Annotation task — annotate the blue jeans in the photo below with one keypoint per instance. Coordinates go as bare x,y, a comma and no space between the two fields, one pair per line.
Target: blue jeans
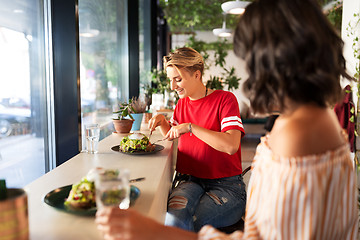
196,202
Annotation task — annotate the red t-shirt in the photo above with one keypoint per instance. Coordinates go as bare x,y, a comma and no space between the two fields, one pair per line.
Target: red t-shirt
219,112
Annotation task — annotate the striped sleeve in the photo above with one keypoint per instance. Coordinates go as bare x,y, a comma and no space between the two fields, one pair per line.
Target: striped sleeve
231,122
230,114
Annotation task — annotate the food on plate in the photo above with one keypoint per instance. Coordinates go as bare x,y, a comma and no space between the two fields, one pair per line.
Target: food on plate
136,142
82,195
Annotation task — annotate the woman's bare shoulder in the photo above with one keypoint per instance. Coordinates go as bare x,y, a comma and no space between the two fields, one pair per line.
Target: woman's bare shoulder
313,133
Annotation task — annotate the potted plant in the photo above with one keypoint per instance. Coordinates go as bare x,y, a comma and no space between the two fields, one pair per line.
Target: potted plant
123,120
137,109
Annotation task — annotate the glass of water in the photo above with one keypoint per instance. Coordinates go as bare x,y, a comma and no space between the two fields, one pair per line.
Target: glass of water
112,188
92,137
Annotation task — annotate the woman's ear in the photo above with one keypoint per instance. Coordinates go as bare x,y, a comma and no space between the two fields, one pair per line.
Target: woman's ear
197,74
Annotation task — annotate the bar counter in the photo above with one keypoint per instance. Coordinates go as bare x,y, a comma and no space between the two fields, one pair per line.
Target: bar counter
46,222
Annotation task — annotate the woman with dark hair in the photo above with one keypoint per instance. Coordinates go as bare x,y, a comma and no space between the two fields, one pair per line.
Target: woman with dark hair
303,182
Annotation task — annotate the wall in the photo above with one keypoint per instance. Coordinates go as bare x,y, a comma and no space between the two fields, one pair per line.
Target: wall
349,8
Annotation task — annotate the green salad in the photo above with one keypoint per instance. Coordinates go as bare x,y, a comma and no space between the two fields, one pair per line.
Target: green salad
135,143
82,195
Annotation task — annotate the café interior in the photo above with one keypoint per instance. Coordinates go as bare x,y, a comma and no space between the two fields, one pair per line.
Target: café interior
68,63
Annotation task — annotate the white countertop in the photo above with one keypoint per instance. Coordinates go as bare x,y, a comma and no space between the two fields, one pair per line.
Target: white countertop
46,222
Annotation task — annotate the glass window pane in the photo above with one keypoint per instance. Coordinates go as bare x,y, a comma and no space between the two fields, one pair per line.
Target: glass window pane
22,91
103,61
144,46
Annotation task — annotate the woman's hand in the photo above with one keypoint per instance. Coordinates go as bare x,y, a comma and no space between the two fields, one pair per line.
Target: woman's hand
159,120
156,121
177,131
115,223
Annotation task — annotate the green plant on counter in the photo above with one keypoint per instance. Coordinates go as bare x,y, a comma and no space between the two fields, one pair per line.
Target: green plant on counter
137,105
124,111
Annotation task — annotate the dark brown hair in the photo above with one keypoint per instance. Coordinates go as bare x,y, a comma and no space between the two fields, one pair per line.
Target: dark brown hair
291,51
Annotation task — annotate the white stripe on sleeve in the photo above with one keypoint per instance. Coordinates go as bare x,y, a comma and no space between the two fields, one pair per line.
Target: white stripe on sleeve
231,121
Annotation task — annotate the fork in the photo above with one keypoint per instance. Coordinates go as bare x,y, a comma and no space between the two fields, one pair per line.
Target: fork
150,135
159,140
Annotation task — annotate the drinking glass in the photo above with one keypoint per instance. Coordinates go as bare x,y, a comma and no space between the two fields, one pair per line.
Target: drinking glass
112,188
92,137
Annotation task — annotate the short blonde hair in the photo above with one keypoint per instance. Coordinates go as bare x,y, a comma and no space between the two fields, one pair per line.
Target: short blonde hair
185,58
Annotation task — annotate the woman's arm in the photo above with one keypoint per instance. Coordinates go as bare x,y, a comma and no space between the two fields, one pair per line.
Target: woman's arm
115,223
227,142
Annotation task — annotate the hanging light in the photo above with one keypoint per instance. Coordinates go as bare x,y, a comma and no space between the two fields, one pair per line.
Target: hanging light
234,7
223,32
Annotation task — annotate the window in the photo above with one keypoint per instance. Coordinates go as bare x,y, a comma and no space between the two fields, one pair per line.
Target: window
39,87
24,88
103,60
145,45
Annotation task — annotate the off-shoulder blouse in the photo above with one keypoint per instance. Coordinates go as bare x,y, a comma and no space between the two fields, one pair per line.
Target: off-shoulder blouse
308,197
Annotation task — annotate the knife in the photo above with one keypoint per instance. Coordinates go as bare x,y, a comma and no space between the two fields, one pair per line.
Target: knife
136,179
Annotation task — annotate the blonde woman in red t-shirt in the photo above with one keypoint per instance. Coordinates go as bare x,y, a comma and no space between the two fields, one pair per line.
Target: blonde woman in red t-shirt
208,126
